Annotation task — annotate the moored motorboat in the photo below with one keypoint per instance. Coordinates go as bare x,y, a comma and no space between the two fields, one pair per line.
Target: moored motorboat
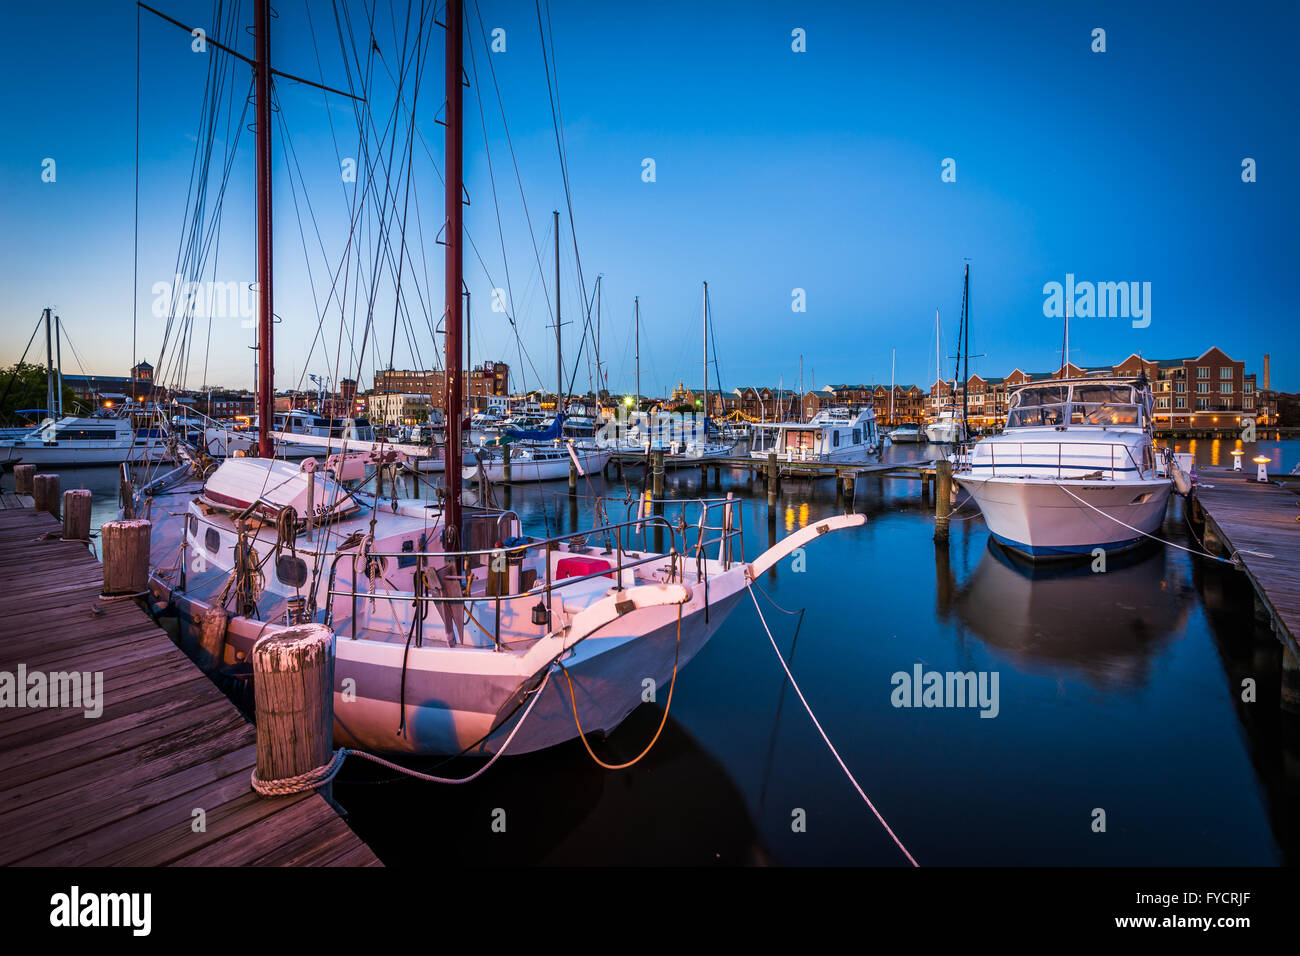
1074,470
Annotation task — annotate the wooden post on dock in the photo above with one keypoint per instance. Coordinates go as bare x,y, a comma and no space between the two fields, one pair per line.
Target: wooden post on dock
23,479
293,691
773,478
45,493
505,463
848,485
126,555
76,515
658,474
573,477
942,496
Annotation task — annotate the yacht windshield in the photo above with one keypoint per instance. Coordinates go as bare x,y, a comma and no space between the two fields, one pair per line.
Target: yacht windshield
1036,416
1043,395
1103,414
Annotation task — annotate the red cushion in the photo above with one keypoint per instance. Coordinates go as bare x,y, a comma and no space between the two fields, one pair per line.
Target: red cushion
577,567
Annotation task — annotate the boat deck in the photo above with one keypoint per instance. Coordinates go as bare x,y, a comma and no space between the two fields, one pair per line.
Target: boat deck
1263,519
126,788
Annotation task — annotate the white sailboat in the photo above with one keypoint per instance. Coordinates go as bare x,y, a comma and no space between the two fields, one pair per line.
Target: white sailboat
456,633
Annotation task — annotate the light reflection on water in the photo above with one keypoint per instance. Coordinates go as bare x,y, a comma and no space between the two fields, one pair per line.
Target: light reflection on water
1118,691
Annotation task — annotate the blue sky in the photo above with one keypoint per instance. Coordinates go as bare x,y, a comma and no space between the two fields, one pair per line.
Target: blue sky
775,170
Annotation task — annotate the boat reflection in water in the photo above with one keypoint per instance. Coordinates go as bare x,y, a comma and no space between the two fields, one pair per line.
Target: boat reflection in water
1104,627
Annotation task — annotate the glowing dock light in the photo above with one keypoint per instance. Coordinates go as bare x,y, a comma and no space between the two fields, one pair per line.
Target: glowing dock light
1236,459
1262,474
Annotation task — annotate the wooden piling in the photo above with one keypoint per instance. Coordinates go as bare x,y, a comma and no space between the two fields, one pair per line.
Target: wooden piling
942,496
76,515
45,493
293,691
658,474
505,463
573,477
773,478
212,638
23,475
126,555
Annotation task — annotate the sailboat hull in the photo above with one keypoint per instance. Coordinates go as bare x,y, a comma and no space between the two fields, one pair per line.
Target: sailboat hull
463,700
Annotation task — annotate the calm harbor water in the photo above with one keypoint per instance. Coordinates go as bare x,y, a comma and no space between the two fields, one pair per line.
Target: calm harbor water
1117,691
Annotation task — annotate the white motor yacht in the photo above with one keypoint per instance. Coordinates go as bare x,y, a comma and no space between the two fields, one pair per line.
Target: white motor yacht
1074,470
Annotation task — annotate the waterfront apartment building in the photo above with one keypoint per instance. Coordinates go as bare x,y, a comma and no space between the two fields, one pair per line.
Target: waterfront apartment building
487,378
399,408
1210,391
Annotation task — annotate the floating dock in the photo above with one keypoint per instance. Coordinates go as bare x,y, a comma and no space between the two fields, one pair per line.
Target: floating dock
161,777
1260,523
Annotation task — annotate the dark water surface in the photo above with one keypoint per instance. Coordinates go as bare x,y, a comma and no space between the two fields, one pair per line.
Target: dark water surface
1117,691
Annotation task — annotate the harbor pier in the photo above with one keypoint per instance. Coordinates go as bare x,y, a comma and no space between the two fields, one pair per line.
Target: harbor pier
153,766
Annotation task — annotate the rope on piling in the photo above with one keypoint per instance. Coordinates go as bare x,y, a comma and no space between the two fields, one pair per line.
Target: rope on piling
320,776
835,753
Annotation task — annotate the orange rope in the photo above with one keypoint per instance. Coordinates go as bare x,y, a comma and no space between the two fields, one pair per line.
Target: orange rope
667,707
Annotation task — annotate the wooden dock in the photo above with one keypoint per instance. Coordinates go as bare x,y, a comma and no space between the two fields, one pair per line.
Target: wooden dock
161,777
923,470
1260,522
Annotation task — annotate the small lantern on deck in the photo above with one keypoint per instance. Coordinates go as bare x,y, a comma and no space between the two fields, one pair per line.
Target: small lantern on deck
1262,474
1236,459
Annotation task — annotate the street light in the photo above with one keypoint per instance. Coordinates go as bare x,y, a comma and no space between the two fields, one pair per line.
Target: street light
1262,474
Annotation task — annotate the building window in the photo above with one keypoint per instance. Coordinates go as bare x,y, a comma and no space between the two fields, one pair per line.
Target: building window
1248,387
1202,386
1203,371
1202,403
1182,403
1162,402
1248,403
1181,387
1225,388
1225,371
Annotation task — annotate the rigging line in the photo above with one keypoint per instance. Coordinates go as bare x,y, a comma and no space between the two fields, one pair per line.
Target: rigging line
410,154
835,753
196,248
505,125
487,148
135,267
557,121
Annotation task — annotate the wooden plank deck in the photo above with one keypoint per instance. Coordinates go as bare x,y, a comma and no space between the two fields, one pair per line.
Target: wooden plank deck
121,789
1243,515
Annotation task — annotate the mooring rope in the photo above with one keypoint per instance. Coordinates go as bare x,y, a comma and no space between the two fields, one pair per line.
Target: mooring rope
323,774
816,723
1230,559
662,723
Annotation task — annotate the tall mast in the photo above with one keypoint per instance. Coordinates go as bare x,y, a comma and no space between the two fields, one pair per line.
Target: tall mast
636,313
453,279
265,314
893,354
49,366
938,372
965,346
704,299
559,354
58,362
